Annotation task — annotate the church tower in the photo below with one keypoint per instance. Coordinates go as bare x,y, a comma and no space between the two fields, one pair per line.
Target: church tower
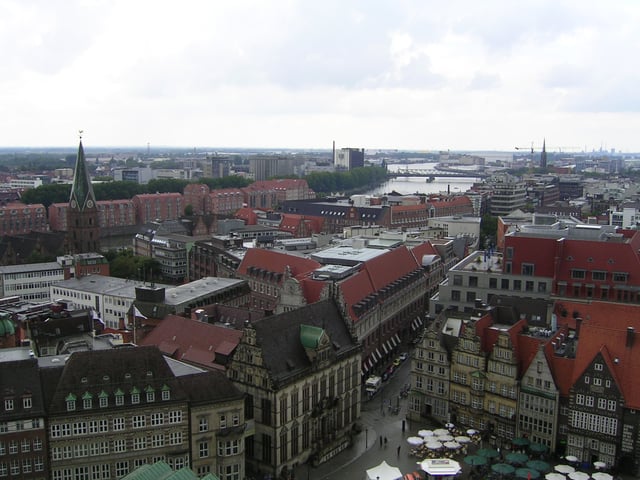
83,230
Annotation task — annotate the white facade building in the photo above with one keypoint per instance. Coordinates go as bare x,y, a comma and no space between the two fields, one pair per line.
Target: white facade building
31,282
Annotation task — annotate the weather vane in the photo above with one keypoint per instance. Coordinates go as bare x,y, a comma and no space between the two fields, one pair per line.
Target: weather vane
80,133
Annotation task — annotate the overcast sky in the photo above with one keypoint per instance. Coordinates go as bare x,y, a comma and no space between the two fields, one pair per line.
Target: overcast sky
406,74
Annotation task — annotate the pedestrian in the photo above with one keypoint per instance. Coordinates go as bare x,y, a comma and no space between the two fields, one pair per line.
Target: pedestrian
398,450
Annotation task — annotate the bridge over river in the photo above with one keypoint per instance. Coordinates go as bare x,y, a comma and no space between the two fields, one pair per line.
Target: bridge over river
436,172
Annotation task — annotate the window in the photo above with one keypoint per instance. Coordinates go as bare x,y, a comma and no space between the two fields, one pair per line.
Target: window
455,295
578,274
157,419
517,285
135,396
528,286
71,402
203,424
611,405
230,447
103,399
27,402
597,382
620,276
528,269
598,367
139,443
119,445
203,449
602,403
166,393
119,394
504,284
118,424
175,416
122,468
8,404
157,440
175,438
457,280
473,281
87,401
138,421
493,283
598,275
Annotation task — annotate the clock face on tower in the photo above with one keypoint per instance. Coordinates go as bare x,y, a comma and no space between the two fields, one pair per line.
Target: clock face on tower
73,204
90,203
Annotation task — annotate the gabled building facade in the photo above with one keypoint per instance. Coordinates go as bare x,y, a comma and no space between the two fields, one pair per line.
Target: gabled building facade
301,373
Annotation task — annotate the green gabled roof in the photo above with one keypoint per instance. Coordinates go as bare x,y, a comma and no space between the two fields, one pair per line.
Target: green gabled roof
310,336
209,476
160,471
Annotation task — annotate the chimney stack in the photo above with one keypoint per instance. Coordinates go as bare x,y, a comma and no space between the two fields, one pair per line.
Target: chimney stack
631,333
578,325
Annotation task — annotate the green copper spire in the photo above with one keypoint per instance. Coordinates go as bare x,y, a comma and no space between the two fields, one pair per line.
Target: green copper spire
82,196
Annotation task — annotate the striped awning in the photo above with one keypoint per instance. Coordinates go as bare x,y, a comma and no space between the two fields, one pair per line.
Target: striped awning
396,340
416,324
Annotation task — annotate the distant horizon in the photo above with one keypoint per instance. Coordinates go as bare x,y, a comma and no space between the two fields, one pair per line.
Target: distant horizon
211,149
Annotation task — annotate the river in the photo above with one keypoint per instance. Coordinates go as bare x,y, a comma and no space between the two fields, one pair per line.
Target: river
410,185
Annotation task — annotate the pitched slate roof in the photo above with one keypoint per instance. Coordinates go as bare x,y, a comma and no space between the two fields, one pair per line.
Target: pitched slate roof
193,341
112,370
209,387
20,378
279,337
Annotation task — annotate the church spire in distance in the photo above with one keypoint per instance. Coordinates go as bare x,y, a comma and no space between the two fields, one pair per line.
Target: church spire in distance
83,230
82,196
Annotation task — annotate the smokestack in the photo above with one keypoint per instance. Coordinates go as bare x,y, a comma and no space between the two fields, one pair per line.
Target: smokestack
578,325
631,333
334,152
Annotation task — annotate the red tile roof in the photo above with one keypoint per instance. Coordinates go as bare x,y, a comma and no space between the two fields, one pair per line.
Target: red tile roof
604,330
274,261
192,341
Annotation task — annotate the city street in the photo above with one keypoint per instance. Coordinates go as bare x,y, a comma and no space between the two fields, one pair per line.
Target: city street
378,423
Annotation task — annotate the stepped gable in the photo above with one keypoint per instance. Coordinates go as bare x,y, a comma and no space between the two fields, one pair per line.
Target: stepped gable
279,337
111,370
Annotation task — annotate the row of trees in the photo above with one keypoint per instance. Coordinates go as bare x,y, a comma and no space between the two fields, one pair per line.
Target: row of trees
59,193
329,182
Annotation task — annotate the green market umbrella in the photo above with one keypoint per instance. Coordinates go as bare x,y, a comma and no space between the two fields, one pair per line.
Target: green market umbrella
475,460
528,473
539,465
488,452
520,442
537,448
503,468
518,458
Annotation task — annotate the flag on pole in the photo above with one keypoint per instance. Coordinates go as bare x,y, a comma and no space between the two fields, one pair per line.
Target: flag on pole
137,313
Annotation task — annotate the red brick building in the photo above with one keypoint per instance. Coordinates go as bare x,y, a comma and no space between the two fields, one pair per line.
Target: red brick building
18,218
151,207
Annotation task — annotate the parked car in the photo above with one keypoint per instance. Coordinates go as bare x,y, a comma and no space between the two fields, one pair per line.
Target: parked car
397,361
403,356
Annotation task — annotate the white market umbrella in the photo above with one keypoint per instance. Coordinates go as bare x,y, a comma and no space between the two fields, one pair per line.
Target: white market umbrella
564,469
601,476
425,433
415,441
579,476
434,445
450,426
472,432
555,476
462,439
452,445
571,458
600,465
445,438
441,431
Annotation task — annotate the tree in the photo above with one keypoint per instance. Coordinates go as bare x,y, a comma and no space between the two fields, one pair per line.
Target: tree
489,229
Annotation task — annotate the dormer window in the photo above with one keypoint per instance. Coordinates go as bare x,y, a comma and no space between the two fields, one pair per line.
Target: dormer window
103,398
151,394
8,404
87,401
27,402
135,395
166,393
119,394
71,402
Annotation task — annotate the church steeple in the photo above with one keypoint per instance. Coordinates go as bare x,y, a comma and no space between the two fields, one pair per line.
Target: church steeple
82,195
543,155
82,215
